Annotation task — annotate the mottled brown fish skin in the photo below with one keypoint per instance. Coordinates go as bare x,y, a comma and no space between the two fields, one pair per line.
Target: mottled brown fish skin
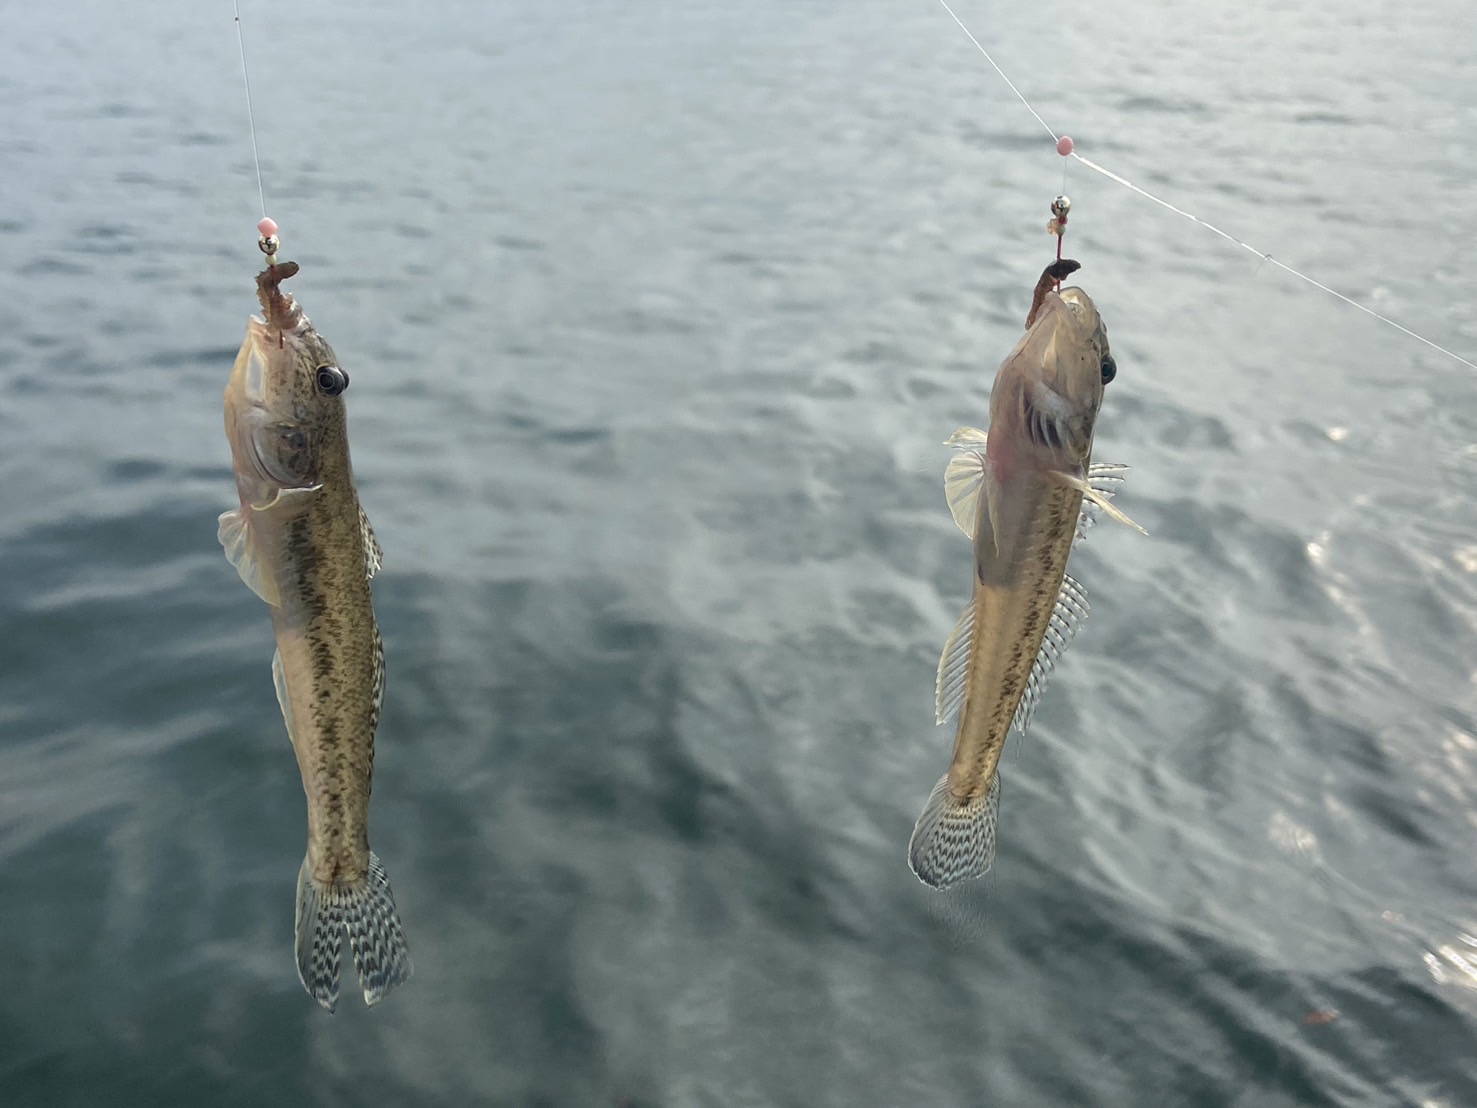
1023,540
1032,476
301,541
329,643
333,661
1012,610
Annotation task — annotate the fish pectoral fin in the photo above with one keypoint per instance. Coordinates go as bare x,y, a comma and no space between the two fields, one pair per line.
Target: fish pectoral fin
1107,478
373,555
967,438
234,533
1095,495
1066,617
954,840
964,478
948,695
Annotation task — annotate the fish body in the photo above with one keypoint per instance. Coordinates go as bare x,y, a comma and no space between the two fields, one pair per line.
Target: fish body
302,543
1018,493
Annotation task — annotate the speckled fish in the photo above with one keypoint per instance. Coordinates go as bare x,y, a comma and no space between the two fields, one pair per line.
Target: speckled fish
1018,493
303,544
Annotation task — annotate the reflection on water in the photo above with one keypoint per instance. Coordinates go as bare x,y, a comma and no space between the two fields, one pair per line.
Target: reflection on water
1455,963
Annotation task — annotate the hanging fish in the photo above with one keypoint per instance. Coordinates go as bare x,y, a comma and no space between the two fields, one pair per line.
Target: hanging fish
303,544
1018,494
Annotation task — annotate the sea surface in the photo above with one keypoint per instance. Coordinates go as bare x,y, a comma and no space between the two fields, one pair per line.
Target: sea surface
657,316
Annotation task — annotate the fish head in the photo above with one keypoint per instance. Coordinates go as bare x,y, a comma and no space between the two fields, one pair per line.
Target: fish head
1049,389
284,402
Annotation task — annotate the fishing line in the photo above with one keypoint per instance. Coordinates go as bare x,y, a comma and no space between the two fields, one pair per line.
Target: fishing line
1068,152
1000,71
250,115
268,242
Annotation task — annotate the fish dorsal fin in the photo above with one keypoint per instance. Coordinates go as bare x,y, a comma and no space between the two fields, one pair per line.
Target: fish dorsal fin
965,476
1107,478
373,555
377,690
948,691
1066,617
234,533
1095,495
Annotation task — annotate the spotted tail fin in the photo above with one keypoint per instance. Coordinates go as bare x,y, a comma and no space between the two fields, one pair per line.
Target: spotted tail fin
366,913
954,840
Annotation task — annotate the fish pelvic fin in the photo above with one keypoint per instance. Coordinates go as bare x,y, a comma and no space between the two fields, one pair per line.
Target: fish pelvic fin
366,913
1096,496
1107,479
954,840
234,532
953,673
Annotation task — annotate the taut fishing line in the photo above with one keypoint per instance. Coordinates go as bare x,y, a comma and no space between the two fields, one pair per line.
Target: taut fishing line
268,227
1064,146
250,114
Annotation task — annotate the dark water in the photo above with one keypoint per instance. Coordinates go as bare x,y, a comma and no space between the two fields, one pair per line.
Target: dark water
656,314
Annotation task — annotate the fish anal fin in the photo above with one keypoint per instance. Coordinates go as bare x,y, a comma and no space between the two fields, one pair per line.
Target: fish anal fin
284,698
953,672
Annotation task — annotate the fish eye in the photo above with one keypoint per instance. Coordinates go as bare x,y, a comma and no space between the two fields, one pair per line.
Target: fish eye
1110,369
332,380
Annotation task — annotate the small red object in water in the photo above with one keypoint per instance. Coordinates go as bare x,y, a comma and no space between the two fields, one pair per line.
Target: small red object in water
1064,145
1320,1016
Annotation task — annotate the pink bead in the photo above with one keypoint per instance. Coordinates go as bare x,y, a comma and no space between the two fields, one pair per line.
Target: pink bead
268,227
1064,145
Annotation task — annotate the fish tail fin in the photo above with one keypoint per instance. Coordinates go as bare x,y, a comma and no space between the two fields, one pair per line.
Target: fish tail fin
366,913
954,839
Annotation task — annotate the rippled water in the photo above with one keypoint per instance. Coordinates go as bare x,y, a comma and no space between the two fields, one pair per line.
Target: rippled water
656,315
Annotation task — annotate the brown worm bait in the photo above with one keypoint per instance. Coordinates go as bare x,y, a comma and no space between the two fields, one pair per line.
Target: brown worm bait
1054,274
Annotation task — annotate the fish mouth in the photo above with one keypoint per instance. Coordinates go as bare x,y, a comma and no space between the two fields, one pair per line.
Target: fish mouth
1085,320
264,363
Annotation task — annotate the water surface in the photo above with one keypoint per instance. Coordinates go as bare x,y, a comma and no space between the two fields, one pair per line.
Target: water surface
656,316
